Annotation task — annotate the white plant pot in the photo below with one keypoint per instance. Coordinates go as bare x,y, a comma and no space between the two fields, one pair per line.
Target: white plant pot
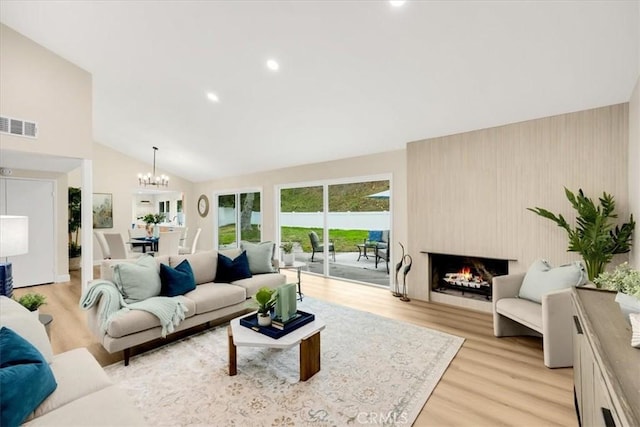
288,258
264,320
36,313
628,304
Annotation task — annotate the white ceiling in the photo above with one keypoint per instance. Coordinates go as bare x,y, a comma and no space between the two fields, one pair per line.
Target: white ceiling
356,77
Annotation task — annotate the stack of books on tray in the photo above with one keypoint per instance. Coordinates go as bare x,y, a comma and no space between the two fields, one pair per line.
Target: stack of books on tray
277,328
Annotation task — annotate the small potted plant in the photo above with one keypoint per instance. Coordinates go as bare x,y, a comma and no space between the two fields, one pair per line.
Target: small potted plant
288,256
265,299
152,221
626,281
32,301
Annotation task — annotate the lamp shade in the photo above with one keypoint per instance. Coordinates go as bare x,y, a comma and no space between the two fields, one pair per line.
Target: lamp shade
14,235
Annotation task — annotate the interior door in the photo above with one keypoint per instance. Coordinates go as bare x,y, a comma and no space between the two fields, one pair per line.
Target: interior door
34,199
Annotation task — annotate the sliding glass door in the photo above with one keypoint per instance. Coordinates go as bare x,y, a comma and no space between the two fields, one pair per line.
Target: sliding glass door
239,218
340,229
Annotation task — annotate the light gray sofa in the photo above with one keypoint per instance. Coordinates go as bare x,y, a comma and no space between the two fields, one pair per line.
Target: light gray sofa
209,302
551,319
84,394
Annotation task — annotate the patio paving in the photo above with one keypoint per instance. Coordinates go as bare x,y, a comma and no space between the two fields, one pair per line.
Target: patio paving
347,266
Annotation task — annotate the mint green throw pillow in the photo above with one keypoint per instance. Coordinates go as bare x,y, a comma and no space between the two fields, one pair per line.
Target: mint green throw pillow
542,278
259,256
138,281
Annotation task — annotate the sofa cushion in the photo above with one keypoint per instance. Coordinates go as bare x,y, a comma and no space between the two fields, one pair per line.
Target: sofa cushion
272,280
138,320
204,265
110,406
232,269
177,281
542,278
523,311
78,374
26,324
212,296
25,378
260,256
138,281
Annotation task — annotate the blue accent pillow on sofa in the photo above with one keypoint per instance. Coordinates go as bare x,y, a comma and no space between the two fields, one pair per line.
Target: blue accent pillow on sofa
177,281
25,378
229,270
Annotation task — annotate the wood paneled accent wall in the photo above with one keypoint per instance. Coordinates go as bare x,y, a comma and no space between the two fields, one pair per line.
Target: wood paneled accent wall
468,193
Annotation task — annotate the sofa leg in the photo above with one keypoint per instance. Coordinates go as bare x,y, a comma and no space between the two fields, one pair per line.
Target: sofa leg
127,354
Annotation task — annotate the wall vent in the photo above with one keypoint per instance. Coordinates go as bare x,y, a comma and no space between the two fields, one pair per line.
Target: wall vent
18,127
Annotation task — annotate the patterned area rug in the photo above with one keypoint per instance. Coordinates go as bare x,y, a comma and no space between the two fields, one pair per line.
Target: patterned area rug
373,371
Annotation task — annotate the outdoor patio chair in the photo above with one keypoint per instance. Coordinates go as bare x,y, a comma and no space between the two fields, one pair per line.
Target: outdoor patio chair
316,246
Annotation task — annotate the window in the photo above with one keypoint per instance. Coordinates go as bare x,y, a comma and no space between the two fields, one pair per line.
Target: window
239,218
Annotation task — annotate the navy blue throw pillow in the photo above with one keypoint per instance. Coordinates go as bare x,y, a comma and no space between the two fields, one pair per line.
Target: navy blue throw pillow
229,270
375,235
177,281
25,378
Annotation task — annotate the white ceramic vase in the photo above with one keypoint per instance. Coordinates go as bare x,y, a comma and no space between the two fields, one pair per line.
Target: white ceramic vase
288,258
628,304
264,320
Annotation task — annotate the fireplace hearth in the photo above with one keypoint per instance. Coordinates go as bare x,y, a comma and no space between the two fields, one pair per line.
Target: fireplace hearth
465,276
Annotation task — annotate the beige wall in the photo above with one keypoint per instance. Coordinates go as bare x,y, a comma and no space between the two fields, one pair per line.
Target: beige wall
634,169
468,193
38,85
116,173
41,86
392,162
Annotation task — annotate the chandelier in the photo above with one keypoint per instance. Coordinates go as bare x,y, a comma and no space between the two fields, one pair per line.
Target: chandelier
151,178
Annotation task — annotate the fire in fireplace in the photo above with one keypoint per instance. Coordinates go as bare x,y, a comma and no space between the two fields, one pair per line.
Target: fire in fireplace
464,275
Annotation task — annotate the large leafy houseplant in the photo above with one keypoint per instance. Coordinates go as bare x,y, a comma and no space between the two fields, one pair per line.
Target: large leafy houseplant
595,235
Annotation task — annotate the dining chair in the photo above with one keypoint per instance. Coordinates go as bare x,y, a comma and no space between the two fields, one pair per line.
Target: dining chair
102,242
117,247
168,243
136,233
183,236
185,250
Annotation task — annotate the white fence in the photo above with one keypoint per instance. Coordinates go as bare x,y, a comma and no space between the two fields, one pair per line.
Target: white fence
336,220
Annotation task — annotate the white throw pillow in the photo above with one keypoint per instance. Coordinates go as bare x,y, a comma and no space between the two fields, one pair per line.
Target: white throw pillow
260,256
542,278
26,324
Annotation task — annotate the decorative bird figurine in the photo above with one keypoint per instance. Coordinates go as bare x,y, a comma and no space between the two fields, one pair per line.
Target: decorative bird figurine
407,268
396,285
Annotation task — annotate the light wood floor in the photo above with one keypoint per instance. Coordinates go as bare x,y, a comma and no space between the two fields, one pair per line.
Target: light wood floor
491,382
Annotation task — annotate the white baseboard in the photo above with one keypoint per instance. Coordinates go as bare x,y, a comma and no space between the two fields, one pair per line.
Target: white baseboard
62,278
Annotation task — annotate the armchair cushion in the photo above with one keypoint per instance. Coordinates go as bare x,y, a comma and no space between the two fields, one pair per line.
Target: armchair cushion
542,278
375,236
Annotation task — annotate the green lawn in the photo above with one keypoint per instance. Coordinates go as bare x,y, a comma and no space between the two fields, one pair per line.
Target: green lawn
343,240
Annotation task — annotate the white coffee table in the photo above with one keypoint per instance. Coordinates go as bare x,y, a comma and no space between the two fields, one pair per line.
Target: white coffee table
308,336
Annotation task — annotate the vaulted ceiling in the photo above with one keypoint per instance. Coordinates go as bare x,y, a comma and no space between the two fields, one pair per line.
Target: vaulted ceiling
355,77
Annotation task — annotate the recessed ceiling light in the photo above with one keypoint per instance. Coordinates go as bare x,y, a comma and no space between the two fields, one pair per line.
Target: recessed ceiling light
273,65
213,97
397,3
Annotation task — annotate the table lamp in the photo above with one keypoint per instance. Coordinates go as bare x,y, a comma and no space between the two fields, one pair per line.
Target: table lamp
14,240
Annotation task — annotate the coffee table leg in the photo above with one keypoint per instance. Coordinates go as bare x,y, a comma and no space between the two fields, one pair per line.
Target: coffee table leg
309,356
233,366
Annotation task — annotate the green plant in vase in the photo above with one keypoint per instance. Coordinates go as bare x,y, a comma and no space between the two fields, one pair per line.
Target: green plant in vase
626,281
264,300
595,236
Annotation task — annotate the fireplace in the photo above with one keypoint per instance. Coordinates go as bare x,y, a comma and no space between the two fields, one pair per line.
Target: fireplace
465,276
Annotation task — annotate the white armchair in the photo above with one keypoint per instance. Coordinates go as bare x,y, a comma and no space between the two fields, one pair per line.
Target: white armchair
551,320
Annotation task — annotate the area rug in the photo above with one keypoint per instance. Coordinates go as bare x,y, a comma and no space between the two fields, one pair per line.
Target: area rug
373,371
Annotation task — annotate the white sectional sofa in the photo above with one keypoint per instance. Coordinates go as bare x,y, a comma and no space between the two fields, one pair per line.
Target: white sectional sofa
84,394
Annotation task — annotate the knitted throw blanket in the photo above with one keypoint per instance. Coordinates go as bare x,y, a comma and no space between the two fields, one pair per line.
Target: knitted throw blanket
169,310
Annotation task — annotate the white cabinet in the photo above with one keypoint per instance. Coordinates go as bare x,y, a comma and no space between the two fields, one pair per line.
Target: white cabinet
606,368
